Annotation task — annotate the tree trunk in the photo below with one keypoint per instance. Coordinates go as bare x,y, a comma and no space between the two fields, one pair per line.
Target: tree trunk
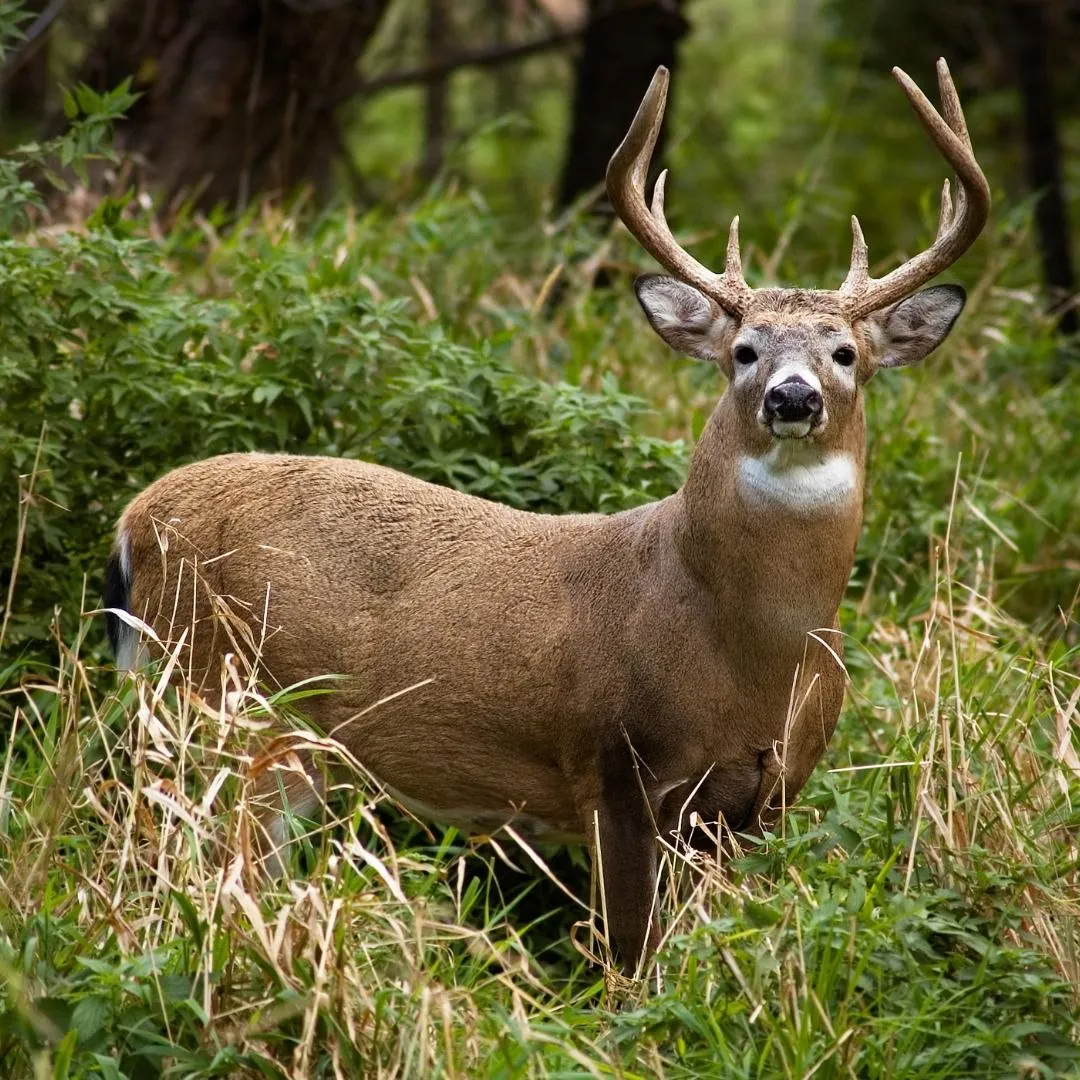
25,80
437,91
624,43
239,96
1034,79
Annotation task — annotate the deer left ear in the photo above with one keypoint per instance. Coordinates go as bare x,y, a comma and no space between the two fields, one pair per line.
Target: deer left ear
913,328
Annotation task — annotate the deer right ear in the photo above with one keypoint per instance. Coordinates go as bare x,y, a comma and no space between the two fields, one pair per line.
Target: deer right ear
685,318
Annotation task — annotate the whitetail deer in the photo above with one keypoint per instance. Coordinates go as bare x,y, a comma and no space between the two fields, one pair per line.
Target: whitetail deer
596,677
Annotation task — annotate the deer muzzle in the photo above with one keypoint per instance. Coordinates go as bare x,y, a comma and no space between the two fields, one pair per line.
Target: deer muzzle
792,408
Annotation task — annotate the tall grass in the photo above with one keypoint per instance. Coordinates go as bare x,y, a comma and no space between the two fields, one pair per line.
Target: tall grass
917,915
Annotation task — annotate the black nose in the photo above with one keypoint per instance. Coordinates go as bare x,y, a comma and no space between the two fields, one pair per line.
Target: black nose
793,400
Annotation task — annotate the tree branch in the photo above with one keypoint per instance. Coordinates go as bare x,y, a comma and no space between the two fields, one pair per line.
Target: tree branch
490,56
30,43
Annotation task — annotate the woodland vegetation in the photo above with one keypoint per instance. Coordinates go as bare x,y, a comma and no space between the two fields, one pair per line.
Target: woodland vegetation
355,229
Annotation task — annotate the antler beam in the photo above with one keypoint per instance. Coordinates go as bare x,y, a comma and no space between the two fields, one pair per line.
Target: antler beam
958,225
626,174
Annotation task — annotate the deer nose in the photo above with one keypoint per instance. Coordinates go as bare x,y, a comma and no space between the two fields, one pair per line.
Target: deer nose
793,400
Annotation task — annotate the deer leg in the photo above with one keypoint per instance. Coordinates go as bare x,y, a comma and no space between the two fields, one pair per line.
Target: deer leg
622,837
278,794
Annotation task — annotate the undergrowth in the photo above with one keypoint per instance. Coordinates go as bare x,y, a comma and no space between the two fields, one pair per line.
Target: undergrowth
917,915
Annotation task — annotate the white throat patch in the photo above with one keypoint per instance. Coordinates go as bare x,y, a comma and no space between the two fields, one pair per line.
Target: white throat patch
798,477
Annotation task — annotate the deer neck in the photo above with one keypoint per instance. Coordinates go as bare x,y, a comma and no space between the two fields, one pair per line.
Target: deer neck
770,526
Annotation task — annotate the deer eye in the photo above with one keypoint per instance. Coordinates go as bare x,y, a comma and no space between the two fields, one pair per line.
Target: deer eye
745,355
845,356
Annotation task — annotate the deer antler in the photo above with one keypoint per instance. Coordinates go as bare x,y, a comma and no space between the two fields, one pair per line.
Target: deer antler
626,174
958,225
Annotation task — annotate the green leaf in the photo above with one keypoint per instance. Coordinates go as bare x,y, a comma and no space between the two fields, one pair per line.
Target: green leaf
175,987
856,896
761,914
63,1055
108,1067
89,1017
191,917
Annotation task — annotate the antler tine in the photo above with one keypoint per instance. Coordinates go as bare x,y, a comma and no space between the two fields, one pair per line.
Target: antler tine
954,117
959,223
945,214
733,257
626,173
859,273
657,208
950,103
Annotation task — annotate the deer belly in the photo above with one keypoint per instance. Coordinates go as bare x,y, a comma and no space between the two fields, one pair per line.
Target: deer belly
483,821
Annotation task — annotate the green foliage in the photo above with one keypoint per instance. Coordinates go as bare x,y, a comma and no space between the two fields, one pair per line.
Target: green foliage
917,914
870,937
13,14
115,369
86,140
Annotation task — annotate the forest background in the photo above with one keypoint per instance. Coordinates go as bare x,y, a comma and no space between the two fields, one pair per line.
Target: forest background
376,229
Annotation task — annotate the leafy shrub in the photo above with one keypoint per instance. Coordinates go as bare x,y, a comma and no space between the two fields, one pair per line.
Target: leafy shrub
115,370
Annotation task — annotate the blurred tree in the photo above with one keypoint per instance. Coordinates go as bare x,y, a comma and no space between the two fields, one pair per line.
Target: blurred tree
437,39
624,42
24,78
1023,45
239,96
1034,79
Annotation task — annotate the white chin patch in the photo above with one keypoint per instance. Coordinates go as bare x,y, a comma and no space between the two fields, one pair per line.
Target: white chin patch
799,477
791,429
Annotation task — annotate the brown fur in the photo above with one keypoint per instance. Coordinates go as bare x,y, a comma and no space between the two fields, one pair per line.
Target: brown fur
575,661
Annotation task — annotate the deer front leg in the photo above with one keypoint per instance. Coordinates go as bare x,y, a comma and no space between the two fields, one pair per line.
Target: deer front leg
622,838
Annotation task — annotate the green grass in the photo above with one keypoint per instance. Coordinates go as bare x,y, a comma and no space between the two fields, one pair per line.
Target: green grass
917,917
918,912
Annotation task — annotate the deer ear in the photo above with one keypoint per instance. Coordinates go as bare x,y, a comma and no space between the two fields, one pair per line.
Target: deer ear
685,318
913,328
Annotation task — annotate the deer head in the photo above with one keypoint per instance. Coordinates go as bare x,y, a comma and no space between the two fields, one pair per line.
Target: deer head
797,358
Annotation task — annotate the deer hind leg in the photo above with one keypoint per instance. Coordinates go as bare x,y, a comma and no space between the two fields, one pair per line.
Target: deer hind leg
285,791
